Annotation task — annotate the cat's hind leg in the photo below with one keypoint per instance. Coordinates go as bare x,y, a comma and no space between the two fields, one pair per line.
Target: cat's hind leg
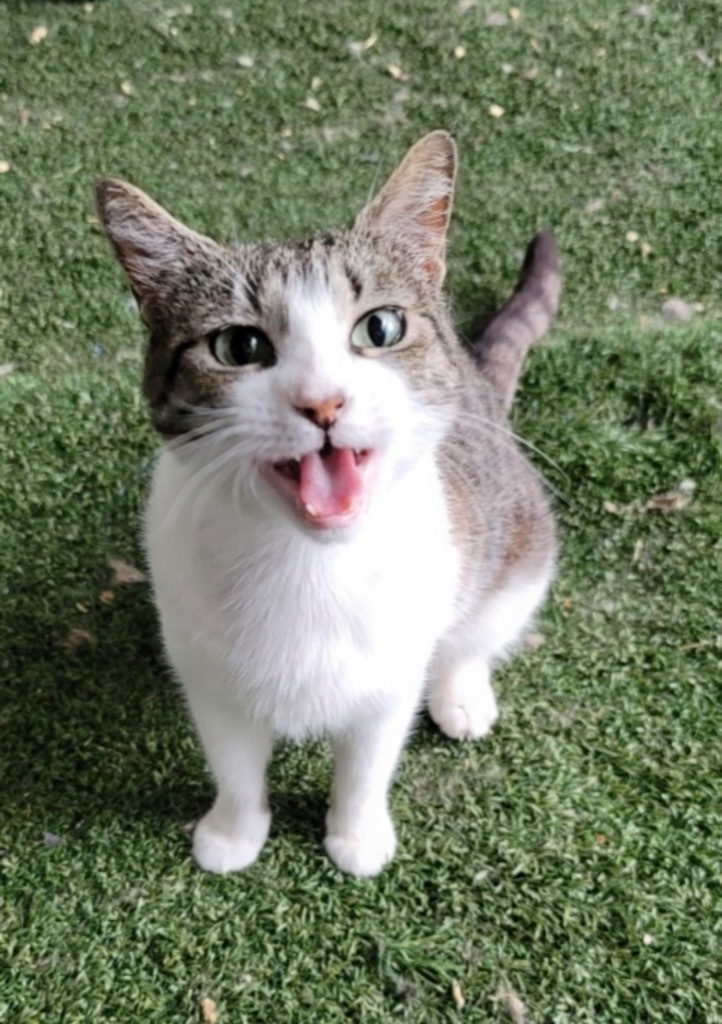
461,699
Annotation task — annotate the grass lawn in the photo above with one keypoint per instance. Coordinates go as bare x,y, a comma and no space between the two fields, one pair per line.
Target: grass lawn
568,870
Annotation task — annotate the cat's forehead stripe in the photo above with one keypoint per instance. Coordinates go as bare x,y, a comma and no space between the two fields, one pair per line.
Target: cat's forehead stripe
251,288
354,280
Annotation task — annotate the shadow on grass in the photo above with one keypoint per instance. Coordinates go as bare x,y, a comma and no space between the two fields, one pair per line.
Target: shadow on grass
98,730
99,734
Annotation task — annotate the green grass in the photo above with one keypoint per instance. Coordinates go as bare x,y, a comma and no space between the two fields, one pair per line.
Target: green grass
573,859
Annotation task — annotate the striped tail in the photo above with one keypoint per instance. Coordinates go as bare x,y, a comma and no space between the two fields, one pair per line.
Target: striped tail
501,345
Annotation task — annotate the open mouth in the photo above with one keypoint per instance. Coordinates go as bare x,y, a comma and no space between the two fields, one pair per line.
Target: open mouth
327,488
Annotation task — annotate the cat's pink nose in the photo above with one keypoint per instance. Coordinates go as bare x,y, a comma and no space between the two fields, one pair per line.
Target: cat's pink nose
323,413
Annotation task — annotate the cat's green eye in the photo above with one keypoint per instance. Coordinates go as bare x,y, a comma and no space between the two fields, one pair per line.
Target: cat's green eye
379,329
243,345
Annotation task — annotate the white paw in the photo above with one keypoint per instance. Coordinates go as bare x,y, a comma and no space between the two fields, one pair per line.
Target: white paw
364,852
219,851
464,707
462,722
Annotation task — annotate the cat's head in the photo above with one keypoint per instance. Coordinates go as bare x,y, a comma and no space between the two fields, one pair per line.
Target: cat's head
313,373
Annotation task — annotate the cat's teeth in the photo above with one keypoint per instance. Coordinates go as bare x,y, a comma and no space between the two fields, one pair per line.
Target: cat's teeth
314,513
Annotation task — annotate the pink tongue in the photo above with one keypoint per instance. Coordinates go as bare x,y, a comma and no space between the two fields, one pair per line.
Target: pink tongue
330,483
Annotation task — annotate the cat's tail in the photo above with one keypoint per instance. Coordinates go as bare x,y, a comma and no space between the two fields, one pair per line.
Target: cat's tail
501,345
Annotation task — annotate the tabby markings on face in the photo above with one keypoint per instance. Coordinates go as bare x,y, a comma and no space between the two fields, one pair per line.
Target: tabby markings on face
329,486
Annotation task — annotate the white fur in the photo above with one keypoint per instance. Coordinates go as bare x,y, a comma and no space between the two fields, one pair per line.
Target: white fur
279,632
275,633
461,698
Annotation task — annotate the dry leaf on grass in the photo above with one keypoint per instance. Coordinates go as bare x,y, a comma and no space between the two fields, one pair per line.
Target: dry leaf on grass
512,1004
677,311
704,58
669,501
595,205
107,596
128,354
124,573
697,645
457,995
615,509
79,638
533,641
209,1011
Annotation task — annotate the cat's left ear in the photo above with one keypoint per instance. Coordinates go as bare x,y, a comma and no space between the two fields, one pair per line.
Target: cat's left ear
415,203
153,248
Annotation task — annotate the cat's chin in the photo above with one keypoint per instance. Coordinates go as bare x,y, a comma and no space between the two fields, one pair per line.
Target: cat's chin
327,491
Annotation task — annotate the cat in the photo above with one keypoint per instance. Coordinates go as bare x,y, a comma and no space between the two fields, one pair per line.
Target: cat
340,524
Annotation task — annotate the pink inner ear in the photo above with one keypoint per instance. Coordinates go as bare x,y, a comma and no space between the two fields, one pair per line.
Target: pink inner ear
434,221
436,216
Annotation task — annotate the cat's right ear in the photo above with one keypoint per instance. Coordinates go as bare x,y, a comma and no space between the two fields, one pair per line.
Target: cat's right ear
152,246
415,203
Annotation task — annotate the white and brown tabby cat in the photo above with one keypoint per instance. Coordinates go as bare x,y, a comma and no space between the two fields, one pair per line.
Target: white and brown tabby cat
340,526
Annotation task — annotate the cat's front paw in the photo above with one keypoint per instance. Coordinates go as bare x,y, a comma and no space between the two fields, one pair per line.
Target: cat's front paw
221,851
365,851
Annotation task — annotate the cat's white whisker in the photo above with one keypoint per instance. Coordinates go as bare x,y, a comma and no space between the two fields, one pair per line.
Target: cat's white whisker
511,438
208,470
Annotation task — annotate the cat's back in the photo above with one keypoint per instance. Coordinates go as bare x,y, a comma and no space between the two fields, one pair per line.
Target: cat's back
501,517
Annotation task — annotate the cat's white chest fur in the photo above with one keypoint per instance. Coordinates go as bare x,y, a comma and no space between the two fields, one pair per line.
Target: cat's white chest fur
305,634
